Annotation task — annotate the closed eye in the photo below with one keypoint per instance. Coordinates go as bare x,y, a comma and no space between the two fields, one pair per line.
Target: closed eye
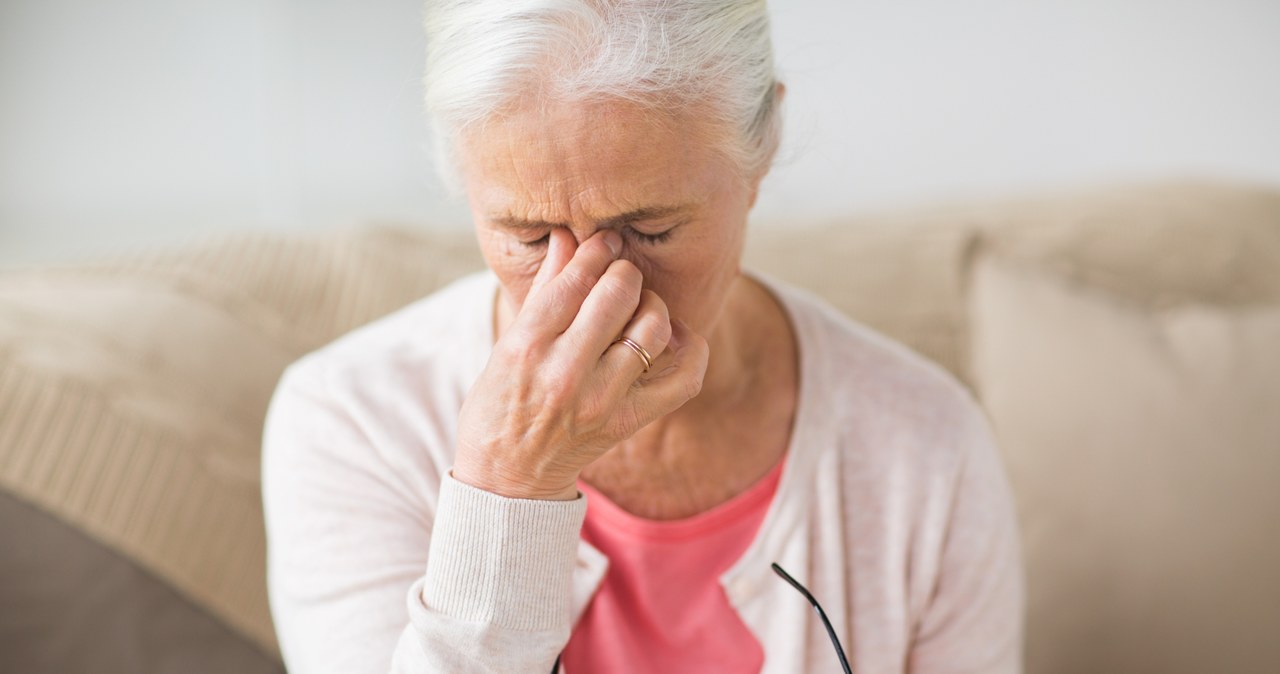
650,239
639,237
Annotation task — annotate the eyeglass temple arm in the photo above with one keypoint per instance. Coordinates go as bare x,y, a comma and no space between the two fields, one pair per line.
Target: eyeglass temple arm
831,632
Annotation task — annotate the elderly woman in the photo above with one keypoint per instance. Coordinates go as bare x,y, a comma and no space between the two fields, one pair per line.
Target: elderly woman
592,456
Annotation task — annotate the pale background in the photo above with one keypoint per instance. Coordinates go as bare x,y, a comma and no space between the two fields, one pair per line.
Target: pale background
141,123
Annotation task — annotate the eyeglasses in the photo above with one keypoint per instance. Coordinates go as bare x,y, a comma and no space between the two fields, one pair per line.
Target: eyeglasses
831,631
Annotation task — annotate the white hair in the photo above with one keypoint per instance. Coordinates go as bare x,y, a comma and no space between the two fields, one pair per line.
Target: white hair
485,55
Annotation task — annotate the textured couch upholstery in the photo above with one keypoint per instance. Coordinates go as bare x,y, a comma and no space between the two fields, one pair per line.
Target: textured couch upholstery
1125,344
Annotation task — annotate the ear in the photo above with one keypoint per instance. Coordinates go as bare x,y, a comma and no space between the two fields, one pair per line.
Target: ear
779,92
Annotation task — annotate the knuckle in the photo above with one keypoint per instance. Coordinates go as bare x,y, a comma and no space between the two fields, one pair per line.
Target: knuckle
652,321
520,348
576,280
557,382
557,393
628,422
619,288
658,305
692,387
592,411
659,328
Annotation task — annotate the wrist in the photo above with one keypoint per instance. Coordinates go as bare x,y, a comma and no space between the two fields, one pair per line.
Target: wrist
494,483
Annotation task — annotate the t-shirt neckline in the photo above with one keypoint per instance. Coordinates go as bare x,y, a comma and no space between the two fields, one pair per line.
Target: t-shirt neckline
745,504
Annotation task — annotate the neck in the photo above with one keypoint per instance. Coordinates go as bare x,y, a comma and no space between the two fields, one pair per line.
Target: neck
734,363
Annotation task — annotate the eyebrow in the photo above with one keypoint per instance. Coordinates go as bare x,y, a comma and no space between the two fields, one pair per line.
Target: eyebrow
637,215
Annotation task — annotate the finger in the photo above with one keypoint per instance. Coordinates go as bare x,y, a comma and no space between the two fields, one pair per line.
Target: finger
650,328
560,248
605,313
674,381
558,302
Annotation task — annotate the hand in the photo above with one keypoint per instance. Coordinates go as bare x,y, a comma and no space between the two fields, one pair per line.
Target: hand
558,392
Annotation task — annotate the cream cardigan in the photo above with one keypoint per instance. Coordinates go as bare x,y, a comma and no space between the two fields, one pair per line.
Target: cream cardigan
893,508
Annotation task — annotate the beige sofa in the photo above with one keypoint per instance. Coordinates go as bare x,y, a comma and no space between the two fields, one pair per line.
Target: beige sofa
1124,342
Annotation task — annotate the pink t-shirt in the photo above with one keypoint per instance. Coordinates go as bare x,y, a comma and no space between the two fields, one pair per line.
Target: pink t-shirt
660,607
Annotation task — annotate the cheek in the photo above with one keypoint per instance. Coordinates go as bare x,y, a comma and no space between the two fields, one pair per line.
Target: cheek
513,263
691,278
705,256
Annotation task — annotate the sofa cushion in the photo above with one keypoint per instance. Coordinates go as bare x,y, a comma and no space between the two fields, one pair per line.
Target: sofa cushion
898,274
132,394
1160,245
1136,408
903,272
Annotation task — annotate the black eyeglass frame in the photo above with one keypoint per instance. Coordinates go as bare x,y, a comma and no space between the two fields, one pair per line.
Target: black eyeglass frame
831,631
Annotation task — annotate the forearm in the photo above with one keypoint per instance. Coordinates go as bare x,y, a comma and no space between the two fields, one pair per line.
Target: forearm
496,593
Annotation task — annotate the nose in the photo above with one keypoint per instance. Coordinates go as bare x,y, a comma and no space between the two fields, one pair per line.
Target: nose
583,232
579,235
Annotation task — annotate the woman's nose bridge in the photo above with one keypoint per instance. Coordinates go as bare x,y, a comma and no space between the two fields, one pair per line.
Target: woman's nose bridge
582,232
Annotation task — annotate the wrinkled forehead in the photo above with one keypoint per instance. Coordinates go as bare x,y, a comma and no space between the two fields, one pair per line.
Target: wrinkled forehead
590,156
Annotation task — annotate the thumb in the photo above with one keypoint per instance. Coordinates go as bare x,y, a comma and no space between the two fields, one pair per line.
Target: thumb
560,248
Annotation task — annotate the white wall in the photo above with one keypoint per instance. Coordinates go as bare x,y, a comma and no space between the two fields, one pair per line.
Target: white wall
141,122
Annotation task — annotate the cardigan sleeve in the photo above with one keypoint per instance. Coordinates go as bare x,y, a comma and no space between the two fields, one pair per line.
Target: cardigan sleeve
365,576
974,620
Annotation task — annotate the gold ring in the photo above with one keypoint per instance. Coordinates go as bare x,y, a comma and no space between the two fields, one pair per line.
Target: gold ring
644,355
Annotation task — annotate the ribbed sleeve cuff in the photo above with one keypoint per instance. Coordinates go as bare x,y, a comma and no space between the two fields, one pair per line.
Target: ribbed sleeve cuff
501,560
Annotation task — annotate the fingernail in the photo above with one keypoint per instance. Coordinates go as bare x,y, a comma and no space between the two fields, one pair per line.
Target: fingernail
614,240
